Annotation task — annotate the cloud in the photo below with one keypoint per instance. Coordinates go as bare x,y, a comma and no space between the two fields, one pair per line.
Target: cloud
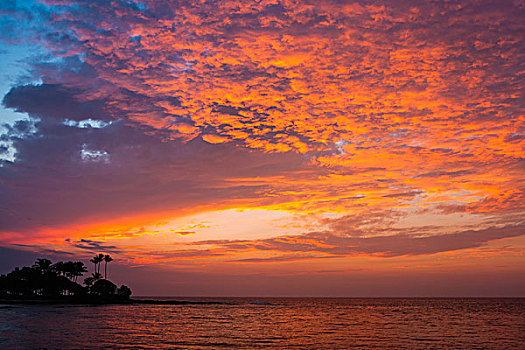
284,258
94,246
333,245
368,111
53,101
318,246
214,138
10,257
116,170
402,194
397,60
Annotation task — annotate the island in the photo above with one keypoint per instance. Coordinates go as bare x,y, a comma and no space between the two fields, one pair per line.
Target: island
46,282
49,282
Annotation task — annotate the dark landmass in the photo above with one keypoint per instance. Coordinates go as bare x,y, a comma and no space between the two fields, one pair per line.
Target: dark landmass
177,302
48,283
99,301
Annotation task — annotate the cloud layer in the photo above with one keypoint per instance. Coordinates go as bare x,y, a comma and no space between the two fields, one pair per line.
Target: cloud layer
386,128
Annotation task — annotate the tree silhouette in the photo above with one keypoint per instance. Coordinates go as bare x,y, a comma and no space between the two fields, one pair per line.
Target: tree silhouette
103,288
48,281
89,281
100,258
97,259
43,265
59,268
78,270
43,280
94,260
124,292
69,269
107,259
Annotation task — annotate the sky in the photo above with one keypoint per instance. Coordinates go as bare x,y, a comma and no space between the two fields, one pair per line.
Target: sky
268,147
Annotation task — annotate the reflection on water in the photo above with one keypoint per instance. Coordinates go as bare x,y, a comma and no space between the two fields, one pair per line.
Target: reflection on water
270,323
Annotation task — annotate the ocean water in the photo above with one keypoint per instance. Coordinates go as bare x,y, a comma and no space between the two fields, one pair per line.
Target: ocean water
270,323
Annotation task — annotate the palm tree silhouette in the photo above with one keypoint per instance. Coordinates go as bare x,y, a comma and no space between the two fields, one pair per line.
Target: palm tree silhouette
97,259
58,281
100,258
89,281
60,268
107,259
94,261
42,265
77,269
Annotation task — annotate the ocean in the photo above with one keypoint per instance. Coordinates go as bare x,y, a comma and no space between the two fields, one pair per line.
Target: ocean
271,323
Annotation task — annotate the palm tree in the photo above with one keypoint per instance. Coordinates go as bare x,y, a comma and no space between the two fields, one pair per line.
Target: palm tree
75,269
60,268
79,269
43,265
89,281
107,259
97,259
68,268
95,262
100,258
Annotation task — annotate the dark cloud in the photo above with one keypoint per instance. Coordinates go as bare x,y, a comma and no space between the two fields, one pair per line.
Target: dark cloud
95,246
138,171
385,246
53,101
458,173
10,258
184,233
367,222
402,194
285,258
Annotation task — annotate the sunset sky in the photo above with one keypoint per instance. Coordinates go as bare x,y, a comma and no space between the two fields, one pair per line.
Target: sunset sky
268,147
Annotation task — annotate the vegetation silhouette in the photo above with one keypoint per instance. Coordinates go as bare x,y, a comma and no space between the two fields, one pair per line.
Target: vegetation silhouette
97,259
107,259
58,282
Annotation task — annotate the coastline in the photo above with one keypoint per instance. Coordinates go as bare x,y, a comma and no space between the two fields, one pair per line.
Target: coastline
104,302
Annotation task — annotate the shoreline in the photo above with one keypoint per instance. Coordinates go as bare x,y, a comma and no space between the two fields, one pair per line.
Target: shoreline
104,302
